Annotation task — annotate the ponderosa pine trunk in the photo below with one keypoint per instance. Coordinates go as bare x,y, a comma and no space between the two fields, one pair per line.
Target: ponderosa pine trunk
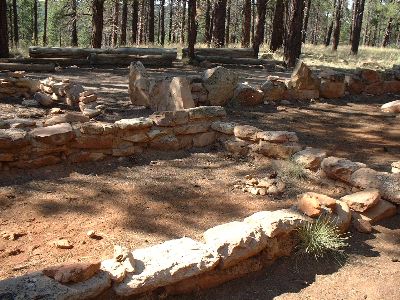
353,11
151,21
336,31
45,23
192,28
277,26
292,49
207,26
124,21
35,22
162,23
97,22
330,28
259,35
4,51
306,17
228,23
358,18
15,21
388,32
74,31
114,39
171,3
219,23
246,26
183,29
135,19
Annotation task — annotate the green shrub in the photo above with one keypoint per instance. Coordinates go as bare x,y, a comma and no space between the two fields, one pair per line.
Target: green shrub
293,170
321,238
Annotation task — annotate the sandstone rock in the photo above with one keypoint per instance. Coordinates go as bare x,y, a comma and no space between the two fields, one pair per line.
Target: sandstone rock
55,111
310,158
220,84
303,79
246,132
313,204
235,241
223,127
301,94
281,151
77,272
204,139
165,264
72,92
170,118
139,85
380,211
237,147
43,99
341,218
63,244
395,167
35,163
331,89
362,226
193,127
122,263
340,168
68,117
165,142
363,200
354,84
134,124
391,107
13,138
96,128
87,141
276,223
206,112
126,150
91,113
247,95
273,90
369,76
59,134
277,136
87,98
30,103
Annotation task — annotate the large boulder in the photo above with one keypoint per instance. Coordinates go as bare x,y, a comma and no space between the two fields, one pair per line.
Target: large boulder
247,95
303,79
361,201
220,84
139,85
340,168
332,85
273,90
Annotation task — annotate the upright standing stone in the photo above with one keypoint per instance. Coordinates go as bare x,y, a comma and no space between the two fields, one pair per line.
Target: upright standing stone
139,85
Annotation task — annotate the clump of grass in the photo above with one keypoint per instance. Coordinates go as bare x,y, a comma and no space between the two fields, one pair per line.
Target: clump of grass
321,238
293,170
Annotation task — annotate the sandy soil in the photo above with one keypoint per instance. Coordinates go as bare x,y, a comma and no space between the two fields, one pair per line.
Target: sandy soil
140,201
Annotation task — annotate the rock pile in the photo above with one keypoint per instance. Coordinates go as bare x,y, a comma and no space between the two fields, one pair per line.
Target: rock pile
270,185
16,84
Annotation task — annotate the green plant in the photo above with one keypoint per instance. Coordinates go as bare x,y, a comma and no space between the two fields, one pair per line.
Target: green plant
321,238
293,170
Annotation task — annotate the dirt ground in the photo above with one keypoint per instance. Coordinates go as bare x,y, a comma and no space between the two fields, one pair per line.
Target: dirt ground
140,201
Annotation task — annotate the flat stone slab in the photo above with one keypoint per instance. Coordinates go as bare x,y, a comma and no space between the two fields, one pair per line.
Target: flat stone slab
384,209
361,201
340,168
206,112
165,264
11,138
58,134
135,123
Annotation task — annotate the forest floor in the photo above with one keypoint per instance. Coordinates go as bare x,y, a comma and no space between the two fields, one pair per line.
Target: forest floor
144,200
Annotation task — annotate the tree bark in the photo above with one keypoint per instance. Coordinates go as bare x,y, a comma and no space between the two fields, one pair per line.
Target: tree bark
306,17
259,36
246,26
74,31
219,23
171,3
162,23
135,18
358,17
228,23
183,29
35,22
336,32
151,21
15,21
388,32
97,23
353,11
330,28
292,49
4,52
207,28
192,28
277,26
114,39
124,21
253,18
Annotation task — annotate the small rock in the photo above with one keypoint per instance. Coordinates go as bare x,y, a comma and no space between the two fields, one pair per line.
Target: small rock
30,103
363,200
313,204
63,244
362,226
91,234
77,272
55,111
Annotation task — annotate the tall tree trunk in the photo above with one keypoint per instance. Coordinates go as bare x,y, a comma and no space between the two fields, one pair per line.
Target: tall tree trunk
135,19
124,21
183,29
171,3
292,49
115,24
253,19
306,17
388,32
207,26
97,22
15,20
336,32
355,40
162,23
35,22
259,36
219,23
277,26
151,21
228,23
246,26
330,28
74,31
4,52
353,14
192,27
45,23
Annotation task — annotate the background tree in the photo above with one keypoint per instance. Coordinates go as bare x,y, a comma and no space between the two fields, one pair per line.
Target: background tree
277,26
124,21
151,21
97,23
292,48
45,23
336,31
4,52
259,35
219,23
192,27
135,19
35,22
357,24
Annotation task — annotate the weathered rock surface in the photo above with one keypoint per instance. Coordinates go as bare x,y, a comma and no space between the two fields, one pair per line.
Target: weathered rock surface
313,204
246,132
340,168
76,272
10,138
206,112
341,218
303,79
220,84
139,85
59,134
362,226
277,136
391,107
133,124
363,200
224,127
395,167
68,117
383,210
166,263
273,90
310,158
235,241
247,95
282,151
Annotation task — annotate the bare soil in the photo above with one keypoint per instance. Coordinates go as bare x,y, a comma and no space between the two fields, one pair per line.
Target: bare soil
140,201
